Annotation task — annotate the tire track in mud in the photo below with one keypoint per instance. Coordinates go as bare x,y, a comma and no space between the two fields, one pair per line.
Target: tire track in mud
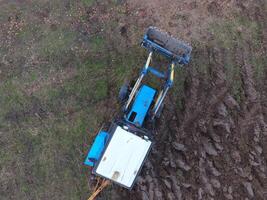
253,122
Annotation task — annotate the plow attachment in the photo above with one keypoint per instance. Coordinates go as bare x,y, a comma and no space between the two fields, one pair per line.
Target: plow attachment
170,47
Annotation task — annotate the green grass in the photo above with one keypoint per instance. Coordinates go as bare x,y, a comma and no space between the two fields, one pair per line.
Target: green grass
88,2
97,44
49,131
57,43
259,62
46,134
232,32
12,97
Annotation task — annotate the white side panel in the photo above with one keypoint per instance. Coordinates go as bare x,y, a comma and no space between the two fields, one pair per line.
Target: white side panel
123,157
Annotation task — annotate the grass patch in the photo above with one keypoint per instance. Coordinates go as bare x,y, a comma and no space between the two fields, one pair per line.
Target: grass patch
11,98
56,44
88,2
47,133
230,33
259,64
96,44
235,35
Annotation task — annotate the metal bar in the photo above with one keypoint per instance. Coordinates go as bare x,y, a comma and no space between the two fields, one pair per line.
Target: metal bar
161,100
157,101
172,72
165,90
137,83
148,59
156,72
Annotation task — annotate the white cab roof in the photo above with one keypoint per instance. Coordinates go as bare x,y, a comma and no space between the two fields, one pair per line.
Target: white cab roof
123,157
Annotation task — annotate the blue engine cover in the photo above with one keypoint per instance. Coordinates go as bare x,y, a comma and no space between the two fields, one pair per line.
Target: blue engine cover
141,105
97,148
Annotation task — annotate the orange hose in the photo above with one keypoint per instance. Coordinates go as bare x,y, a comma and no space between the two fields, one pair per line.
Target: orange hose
103,184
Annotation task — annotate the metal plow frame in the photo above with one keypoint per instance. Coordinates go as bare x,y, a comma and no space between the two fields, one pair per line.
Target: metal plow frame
163,43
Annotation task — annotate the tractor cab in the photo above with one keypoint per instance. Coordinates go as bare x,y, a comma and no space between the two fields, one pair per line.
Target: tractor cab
141,105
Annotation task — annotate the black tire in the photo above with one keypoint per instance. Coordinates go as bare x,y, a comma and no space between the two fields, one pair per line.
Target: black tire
124,92
168,42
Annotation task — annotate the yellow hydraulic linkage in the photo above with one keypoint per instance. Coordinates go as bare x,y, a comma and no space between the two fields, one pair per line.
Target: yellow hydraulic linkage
99,187
136,85
164,91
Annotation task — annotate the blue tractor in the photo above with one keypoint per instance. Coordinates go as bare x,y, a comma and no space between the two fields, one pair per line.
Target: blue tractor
119,152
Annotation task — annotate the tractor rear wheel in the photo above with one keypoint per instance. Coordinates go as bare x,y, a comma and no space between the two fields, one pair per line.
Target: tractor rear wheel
124,92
